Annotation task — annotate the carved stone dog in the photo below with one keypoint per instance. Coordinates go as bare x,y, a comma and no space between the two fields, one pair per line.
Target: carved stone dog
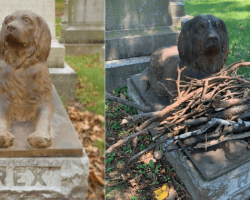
25,85
203,48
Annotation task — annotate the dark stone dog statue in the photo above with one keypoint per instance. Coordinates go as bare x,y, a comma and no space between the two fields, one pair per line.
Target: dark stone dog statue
203,48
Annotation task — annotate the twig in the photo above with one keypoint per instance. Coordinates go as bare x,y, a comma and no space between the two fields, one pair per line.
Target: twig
145,150
170,93
125,140
128,103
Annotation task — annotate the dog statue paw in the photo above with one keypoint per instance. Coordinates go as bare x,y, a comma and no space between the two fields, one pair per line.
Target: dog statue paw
40,139
6,138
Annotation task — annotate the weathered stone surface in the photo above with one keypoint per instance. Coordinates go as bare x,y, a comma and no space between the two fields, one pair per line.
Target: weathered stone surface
56,55
177,9
132,14
139,42
44,178
234,148
233,185
118,71
84,33
64,80
184,21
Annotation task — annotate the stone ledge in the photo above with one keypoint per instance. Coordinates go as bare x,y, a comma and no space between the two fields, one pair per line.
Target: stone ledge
177,9
118,71
136,46
178,20
64,80
56,55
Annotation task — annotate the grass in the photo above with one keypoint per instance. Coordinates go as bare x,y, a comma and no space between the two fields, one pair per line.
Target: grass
90,74
89,70
58,28
236,15
59,4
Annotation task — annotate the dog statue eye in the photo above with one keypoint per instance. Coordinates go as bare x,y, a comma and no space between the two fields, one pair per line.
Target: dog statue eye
217,25
200,27
26,19
8,20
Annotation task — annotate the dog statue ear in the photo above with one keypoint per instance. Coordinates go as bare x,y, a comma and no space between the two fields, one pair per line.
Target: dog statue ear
185,44
42,40
225,45
2,40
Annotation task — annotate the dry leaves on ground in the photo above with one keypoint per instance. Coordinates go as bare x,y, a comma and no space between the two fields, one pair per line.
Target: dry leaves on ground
90,131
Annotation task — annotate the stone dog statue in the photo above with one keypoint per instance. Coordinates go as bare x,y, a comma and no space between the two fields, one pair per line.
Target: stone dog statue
25,85
203,48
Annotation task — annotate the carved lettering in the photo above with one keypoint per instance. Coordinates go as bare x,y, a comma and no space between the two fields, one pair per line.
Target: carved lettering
38,176
16,176
242,180
2,176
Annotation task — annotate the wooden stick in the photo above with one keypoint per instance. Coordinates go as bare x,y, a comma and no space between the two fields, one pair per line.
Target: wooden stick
125,140
227,138
145,150
128,103
170,93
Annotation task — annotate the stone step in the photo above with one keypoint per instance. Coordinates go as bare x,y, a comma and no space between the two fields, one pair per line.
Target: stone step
177,9
138,42
64,80
56,55
177,20
118,71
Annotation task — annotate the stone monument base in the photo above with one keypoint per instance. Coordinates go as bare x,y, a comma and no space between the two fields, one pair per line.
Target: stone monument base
58,172
217,178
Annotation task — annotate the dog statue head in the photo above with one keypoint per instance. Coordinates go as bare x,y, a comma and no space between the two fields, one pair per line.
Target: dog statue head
202,47
26,34
203,44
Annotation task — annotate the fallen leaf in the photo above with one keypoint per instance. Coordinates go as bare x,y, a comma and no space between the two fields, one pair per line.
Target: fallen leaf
152,176
124,121
96,178
134,141
172,194
138,178
133,182
158,154
162,193
122,96
120,165
147,157
124,177
172,174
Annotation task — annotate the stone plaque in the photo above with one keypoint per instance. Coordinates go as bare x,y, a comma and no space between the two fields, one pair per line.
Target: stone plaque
44,178
35,177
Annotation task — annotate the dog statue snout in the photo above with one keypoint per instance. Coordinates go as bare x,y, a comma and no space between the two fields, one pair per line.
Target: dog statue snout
213,36
11,27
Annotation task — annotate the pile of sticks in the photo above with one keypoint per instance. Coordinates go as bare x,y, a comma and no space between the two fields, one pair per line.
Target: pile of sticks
203,113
